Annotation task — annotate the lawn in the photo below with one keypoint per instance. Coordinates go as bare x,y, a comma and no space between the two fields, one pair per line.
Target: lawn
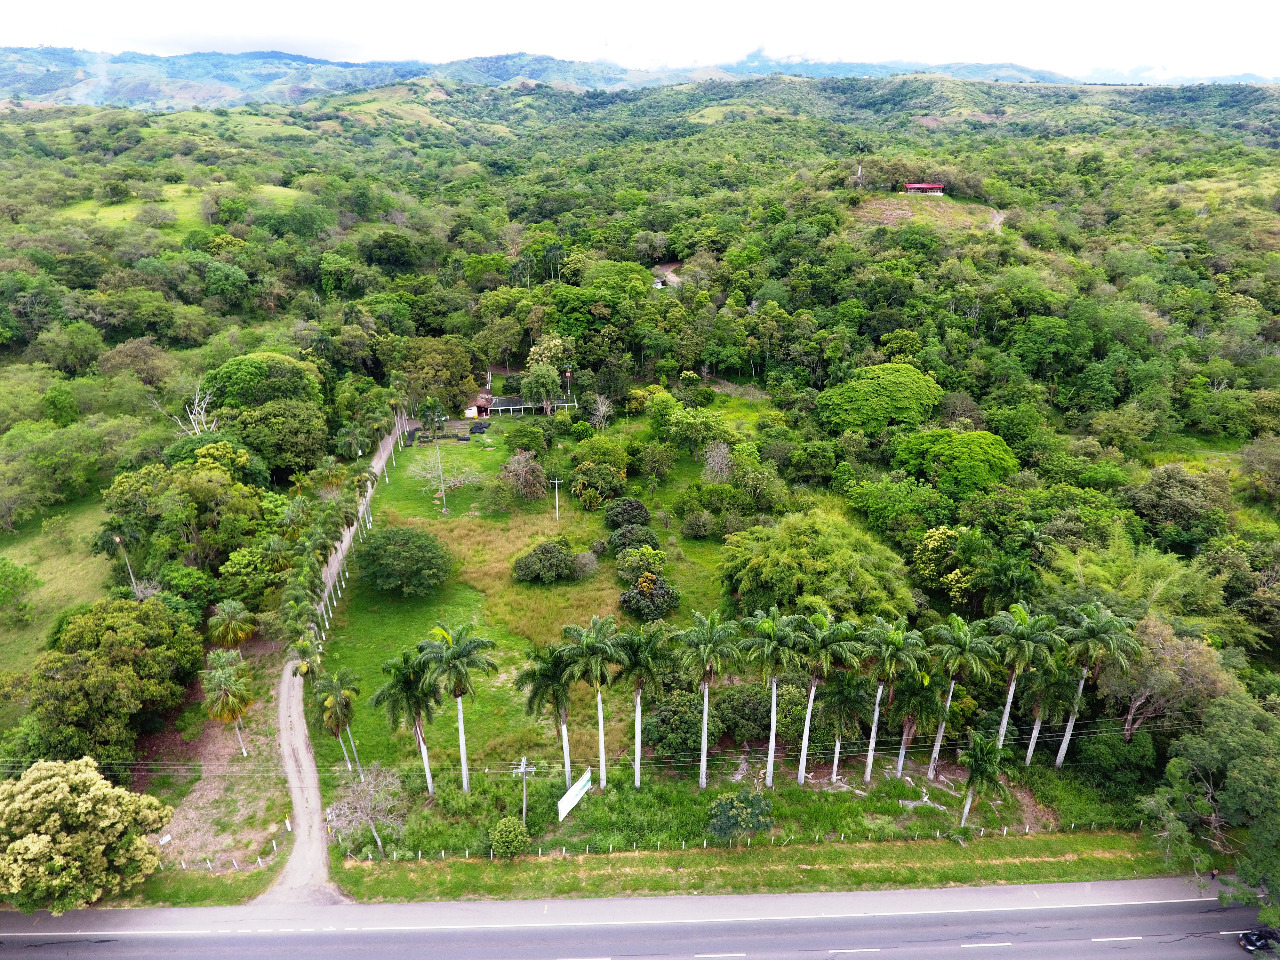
1040,858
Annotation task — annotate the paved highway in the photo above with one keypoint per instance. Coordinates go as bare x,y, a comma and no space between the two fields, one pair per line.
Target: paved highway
1129,919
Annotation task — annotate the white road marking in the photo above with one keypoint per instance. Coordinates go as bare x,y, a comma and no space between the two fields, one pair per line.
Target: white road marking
708,956
784,918
1113,939
966,946
1231,933
858,950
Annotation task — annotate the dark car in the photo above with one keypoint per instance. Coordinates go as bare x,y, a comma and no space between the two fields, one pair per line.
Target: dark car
1264,938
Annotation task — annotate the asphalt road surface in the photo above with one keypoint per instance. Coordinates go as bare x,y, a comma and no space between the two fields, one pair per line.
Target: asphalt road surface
1128,919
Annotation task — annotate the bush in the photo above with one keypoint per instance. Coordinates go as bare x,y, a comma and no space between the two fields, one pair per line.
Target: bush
626,511
525,436
745,709
509,838
548,562
581,430
699,525
594,483
674,727
632,536
736,814
636,562
652,598
585,565
399,558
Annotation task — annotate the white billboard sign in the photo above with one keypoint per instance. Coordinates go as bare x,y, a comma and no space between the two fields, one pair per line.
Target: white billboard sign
576,793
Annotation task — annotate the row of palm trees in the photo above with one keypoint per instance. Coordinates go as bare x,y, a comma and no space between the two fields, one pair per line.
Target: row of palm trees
845,658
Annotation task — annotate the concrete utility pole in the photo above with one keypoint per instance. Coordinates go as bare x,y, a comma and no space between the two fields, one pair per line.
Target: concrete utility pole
524,770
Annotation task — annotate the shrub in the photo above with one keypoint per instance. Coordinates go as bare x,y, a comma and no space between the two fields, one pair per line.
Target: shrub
525,436
699,525
652,598
590,500
509,838
674,727
597,482
632,536
736,814
548,562
625,511
581,430
603,451
636,562
745,709
525,475
585,565
399,558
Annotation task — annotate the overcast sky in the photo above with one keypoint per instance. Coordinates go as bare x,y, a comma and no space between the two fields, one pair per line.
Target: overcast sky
1172,37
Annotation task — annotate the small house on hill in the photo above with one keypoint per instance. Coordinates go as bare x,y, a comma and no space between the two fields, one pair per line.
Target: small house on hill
933,188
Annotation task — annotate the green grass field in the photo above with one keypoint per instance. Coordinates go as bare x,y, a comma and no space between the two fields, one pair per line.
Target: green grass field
762,869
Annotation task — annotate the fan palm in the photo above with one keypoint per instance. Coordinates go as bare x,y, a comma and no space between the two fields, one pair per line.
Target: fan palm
590,653
231,623
452,656
642,655
846,699
1022,642
985,759
545,679
824,647
709,647
1098,635
334,695
770,647
961,651
888,650
226,689
407,694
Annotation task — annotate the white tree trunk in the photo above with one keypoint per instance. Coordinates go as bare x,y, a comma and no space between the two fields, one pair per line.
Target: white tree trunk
968,802
600,728
942,726
1035,733
637,760
773,729
422,748
564,743
804,741
462,749
835,764
355,753
243,751
345,756
1008,705
381,852
907,734
1075,710
702,766
871,743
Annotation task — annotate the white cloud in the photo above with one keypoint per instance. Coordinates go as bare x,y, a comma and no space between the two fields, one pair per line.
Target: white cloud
1071,38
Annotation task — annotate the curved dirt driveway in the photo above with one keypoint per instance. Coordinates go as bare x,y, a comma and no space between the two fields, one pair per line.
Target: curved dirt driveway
305,878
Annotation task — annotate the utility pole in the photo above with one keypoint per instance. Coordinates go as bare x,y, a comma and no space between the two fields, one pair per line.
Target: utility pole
524,771
557,486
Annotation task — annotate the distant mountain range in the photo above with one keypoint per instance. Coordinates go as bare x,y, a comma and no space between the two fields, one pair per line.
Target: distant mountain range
60,75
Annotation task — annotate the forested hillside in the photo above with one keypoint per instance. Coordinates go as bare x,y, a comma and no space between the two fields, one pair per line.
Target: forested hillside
1041,410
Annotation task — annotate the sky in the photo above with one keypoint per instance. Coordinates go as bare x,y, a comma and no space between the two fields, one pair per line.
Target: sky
1167,38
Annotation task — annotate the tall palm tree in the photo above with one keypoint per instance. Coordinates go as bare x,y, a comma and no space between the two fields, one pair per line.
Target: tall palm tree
771,648
307,651
1097,635
334,695
642,655
824,648
915,704
709,647
846,699
545,678
1022,642
1046,693
226,689
985,759
961,651
231,623
452,655
888,650
590,653
408,695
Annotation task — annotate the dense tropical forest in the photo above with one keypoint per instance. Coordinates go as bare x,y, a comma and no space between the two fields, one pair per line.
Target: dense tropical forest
980,488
